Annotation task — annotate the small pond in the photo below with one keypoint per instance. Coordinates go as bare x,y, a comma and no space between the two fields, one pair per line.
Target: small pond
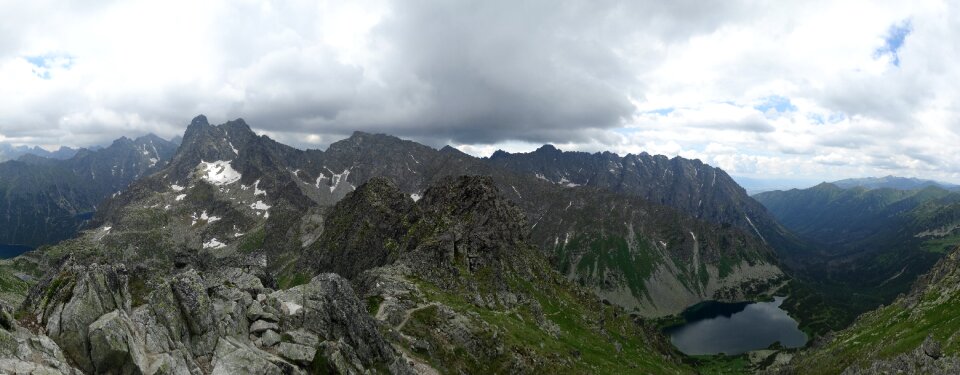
735,328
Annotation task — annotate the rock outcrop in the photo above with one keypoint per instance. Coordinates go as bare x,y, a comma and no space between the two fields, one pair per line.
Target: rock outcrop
221,322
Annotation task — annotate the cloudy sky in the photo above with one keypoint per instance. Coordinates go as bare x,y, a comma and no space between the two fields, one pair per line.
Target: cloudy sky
768,89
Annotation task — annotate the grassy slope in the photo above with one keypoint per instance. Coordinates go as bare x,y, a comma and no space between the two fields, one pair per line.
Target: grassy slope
597,352
895,329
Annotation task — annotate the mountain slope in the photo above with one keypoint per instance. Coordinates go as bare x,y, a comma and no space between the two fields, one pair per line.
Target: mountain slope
645,257
875,243
641,243
43,201
476,256
468,294
893,182
689,186
918,333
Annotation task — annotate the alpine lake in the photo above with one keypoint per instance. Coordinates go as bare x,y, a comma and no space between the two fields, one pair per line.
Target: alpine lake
712,328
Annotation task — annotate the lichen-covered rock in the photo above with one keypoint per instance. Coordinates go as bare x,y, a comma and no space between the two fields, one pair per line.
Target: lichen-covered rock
23,352
329,307
70,300
193,301
115,345
262,325
296,353
234,357
269,338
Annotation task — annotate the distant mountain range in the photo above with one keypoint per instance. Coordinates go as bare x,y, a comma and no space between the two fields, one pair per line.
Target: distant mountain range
45,200
893,182
11,152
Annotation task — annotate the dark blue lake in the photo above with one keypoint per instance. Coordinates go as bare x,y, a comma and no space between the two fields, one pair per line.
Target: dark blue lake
10,251
735,328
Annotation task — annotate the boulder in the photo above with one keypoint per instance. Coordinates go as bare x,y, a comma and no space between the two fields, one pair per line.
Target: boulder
270,338
114,345
262,325
193,301
76,296
234,357
296,353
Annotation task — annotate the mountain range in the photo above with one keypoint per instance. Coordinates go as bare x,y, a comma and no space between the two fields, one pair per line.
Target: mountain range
11,152
230,252
45,200
893,182
420,245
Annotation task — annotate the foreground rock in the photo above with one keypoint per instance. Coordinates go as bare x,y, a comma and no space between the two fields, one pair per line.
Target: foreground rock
196,323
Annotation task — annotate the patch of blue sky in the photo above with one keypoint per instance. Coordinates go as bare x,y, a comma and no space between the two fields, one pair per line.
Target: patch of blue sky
661,111
43,64
896,36
832,118
777,103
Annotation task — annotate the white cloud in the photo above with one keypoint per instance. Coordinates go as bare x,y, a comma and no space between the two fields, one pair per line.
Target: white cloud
683,78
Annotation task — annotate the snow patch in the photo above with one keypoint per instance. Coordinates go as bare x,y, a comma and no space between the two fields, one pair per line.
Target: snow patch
213,244
176,187
516,191
291,307
259,205
754,226
337,179
180,197
256,189
219,172
234,148
415,197
209,219
567,183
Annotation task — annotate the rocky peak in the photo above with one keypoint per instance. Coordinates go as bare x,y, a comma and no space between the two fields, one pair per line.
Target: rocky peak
199,121
547,149
363,230
475,199
467,225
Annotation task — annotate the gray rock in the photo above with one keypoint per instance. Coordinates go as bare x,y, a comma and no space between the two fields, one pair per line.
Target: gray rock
234,357
114,345
932,348
76,296
269,338
262,325
193,301
255,312
296,353
331,309
301,337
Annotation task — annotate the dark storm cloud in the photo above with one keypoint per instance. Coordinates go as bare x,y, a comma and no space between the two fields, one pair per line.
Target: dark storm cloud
484,72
